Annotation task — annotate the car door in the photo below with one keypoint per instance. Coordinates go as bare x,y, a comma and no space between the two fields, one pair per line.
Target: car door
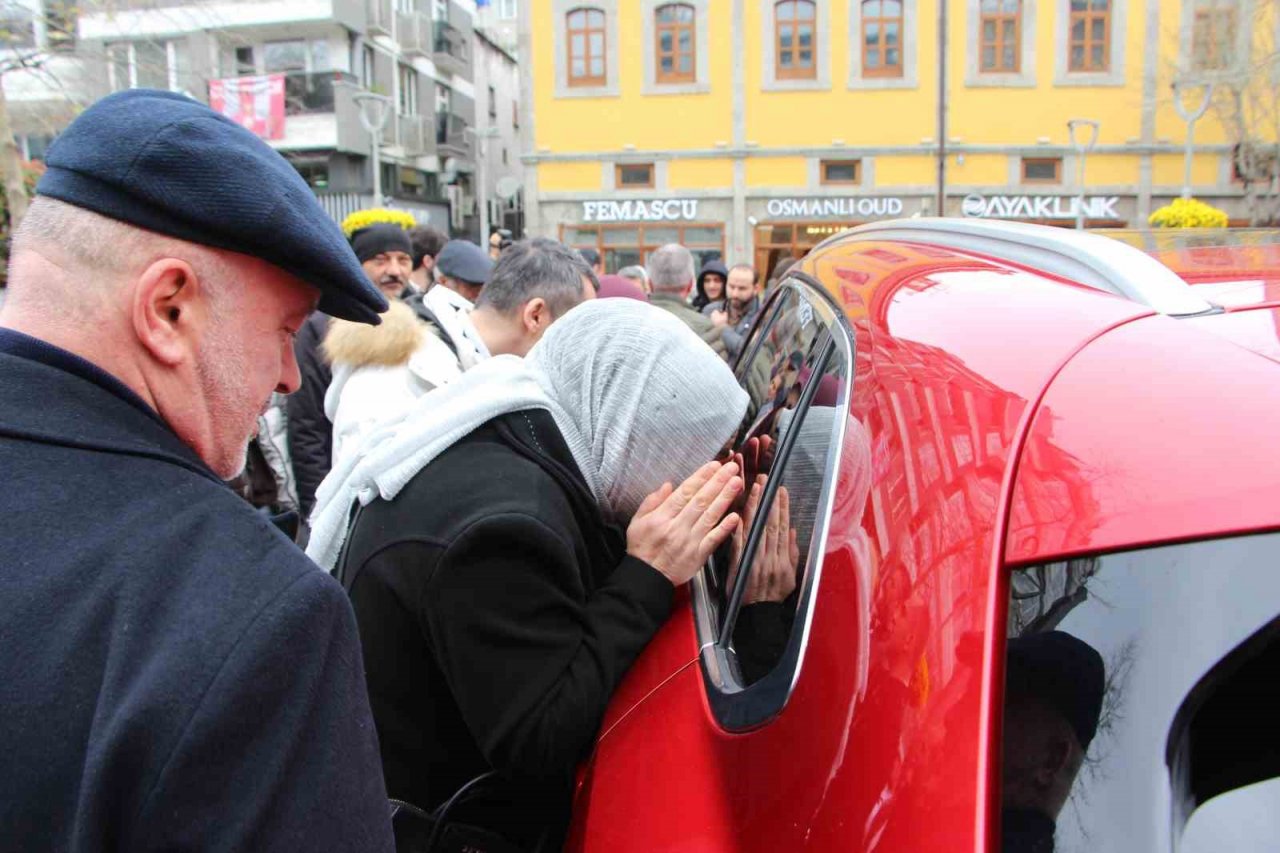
704,760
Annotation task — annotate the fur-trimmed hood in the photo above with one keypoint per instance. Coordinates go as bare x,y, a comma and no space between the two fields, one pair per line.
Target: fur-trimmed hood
387,344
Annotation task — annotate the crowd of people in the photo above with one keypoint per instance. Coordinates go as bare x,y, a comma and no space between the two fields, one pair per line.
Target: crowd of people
500,462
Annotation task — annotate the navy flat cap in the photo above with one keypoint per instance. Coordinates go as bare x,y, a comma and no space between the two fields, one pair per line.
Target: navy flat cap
462,259
169,164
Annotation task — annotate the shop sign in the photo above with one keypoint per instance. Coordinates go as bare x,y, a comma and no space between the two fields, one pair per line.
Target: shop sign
1039,207
843,207
637,210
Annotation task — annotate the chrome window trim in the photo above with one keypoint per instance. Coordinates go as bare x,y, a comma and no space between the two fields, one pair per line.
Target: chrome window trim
1090,259
737,707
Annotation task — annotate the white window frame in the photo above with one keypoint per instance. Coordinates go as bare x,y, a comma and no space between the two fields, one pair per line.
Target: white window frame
610,89
406,74
1115,74
131,54
1025,77
701,50
910,78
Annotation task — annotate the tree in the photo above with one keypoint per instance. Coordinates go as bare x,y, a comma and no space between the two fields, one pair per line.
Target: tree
1233,47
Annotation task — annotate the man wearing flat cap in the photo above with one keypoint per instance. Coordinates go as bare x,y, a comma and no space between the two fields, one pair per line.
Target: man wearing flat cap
462,270
176,675
385,254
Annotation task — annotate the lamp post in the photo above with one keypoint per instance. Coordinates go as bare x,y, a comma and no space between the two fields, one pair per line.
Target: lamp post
481,137
374,111
1083,146
1190,118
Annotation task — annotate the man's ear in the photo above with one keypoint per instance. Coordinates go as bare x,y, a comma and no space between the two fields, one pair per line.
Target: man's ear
168,310
535,315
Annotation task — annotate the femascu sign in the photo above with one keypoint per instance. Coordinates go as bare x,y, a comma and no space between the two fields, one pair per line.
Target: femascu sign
846,207
635,210
1039,207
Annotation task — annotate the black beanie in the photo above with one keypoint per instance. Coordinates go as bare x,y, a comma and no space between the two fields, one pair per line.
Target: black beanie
376,239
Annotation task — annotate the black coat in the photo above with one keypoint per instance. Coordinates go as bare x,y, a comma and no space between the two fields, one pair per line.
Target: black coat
498,613
176,675
310,432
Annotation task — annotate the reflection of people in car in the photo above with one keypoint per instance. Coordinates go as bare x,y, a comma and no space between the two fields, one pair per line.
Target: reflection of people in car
1054,685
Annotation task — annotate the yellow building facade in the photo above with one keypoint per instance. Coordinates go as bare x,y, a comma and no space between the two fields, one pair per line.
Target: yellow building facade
755,128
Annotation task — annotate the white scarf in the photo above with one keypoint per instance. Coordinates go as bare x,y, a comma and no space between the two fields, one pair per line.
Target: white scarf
639,399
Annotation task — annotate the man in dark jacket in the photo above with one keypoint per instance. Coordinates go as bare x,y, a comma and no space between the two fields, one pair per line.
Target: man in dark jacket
176,674
736,313
670,271
710,285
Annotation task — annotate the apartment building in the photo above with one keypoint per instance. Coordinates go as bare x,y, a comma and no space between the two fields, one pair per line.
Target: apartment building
420,56
755,128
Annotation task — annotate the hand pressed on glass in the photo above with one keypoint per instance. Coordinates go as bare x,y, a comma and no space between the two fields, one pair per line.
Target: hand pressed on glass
675,530
777,559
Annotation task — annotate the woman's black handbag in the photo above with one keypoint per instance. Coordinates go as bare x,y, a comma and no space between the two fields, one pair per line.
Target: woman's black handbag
417,831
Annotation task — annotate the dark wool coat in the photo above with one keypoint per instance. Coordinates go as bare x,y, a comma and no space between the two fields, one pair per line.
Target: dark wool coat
310,433
175,674
498,613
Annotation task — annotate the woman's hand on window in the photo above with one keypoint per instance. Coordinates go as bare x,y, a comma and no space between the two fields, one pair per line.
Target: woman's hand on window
675,530
773,575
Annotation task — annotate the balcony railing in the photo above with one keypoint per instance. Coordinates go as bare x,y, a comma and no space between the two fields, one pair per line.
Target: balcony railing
413,134
307,93
450,46
415,33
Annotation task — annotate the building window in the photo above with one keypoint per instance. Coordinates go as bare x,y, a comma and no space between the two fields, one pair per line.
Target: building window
440,10
284,56
1042,170
17,27
368,67
1089,42
493,103
585,31
624,245
444,99
1213,35
1001,27
633,176
794,23
675,42
407,103
515,116
882,38
143,65
245,64
841,172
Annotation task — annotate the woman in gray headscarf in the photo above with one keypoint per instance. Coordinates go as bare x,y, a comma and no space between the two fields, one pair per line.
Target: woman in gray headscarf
516,544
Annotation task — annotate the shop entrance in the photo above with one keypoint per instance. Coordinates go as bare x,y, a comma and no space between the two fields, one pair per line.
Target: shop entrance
777,240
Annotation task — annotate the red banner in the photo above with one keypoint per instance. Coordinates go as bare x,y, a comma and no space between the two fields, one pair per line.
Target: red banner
257,103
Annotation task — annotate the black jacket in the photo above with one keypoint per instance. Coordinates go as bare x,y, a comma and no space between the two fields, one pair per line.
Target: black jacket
310,433
176,675
736,335
498,613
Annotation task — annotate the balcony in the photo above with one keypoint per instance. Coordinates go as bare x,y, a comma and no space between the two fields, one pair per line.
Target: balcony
416,34
380,17
451,133
414,135
310,93
451,52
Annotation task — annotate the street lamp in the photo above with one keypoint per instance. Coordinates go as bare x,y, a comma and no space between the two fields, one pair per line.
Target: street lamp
482,190
1190,118
1083,146
374,111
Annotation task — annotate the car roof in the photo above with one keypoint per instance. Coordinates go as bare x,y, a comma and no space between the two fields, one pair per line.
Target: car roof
1097,398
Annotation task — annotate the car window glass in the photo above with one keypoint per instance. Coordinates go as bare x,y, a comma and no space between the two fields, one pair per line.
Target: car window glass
796,380
1102,655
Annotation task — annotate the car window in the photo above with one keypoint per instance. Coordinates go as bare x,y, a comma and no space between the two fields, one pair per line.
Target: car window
796,370
1139,690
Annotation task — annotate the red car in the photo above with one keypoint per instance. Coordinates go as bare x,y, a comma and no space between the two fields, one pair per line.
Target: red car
1035,476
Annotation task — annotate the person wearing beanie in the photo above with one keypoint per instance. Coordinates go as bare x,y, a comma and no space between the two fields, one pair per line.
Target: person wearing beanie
386,254
177,674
